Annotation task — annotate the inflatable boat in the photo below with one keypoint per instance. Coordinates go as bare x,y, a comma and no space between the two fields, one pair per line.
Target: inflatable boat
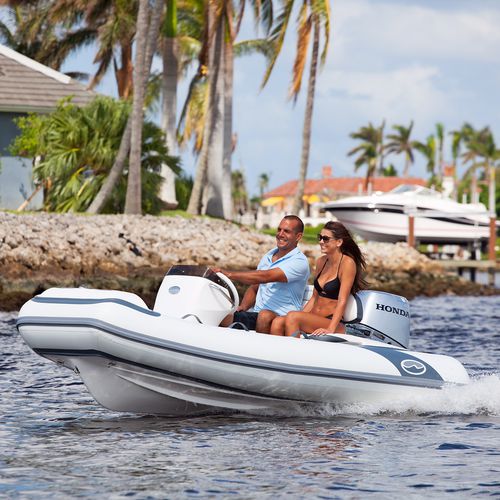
176,360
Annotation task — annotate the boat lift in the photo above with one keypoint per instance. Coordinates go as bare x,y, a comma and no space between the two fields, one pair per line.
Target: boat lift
473,264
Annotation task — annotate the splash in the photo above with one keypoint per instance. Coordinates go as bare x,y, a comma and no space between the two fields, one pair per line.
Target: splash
480,397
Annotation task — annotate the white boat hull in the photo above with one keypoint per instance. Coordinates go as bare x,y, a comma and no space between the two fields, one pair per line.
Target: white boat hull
385,217
136,360
377,225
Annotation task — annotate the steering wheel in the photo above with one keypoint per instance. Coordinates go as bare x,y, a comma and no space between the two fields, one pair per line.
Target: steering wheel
234,299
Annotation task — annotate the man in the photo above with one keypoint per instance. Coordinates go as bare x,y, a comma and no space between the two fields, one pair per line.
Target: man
277,285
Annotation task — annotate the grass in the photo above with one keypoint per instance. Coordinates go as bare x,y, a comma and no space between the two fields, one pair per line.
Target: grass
310,233
173,213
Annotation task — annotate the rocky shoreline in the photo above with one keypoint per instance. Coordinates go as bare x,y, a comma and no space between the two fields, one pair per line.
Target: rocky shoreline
38,251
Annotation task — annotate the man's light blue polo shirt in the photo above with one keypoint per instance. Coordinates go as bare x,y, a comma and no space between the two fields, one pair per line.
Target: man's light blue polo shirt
283,297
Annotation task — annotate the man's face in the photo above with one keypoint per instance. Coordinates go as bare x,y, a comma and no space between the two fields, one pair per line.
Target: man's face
287,235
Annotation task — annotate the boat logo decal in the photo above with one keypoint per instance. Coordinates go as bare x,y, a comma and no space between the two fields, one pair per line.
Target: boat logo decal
394,310
407,364
174,290
413,367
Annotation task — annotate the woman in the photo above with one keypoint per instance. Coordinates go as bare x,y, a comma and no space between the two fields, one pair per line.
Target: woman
339,274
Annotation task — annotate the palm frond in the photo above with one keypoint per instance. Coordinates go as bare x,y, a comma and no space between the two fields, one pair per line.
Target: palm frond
277,37
258,46
303,37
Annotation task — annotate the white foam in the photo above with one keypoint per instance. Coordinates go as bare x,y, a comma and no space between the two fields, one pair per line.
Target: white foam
480,397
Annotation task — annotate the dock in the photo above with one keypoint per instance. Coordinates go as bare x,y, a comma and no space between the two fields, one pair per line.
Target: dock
472,266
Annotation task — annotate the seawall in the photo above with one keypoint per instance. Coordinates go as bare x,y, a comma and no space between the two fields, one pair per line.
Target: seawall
38,251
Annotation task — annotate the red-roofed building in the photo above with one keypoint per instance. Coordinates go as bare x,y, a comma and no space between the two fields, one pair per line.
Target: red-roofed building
279,200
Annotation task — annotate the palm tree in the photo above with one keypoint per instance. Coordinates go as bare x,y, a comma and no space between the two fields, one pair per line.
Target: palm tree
118,165
213,120
169,88
263,183
112,25
400,143
211,192
239,191
133,201
313,18
428,150
193,114
479,145
30,30
456,141
368,151
381,152
440,148
76,147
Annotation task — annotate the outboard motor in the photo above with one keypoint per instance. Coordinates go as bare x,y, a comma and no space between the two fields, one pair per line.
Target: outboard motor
380,316
196,293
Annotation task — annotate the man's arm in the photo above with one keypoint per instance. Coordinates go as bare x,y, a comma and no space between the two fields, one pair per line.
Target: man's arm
248,300
255,277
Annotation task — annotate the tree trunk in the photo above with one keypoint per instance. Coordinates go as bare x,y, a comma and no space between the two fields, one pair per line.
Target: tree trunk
407,166
473,187
195,201
124,74
133,200
107,188
169,118
227,199
114,174
440,159
380,150
212,193
306,134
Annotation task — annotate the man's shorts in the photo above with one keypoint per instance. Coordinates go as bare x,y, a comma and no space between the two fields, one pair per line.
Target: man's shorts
249,319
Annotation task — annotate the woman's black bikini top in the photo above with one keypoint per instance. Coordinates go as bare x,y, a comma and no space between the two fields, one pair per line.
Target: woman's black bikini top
331,289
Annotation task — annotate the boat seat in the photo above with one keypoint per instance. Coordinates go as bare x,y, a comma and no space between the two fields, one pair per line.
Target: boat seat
307,294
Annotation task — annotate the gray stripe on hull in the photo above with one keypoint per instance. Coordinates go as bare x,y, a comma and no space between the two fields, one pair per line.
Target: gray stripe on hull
400,209
112,300
231,358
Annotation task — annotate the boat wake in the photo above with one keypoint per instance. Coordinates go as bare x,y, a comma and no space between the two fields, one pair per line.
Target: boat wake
480,397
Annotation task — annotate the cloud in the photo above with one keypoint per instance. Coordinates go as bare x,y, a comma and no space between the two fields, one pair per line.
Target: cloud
416,30
397,94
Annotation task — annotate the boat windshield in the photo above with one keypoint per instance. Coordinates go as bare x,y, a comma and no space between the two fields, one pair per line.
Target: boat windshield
199,271
413,189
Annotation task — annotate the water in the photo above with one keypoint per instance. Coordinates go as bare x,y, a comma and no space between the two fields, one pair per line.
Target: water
55,442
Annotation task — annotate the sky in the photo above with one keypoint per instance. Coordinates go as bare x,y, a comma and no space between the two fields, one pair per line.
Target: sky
428,61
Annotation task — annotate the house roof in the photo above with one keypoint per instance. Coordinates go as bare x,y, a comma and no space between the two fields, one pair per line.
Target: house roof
342,185
27,85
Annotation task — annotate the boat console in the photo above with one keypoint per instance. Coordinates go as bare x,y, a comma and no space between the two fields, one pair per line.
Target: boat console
197,293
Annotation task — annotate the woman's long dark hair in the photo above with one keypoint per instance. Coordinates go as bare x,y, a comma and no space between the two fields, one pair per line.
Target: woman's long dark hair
349,247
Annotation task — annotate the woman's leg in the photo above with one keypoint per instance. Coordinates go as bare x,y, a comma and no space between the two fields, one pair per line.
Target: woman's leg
278,326
304,322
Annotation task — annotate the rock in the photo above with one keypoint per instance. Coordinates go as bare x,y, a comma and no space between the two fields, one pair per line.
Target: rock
134,252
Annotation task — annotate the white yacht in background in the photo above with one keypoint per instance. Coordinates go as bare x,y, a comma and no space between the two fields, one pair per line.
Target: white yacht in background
438,219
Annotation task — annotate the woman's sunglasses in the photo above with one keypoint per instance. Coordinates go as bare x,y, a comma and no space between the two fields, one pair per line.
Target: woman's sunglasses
324,238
